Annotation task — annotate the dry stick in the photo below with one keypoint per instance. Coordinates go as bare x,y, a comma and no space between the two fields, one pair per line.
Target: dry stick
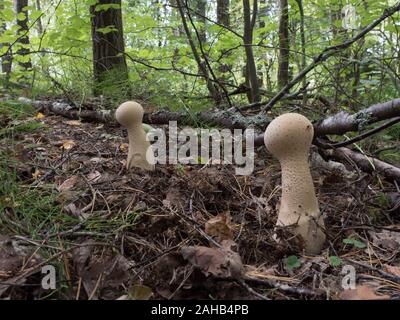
338,123
217,118
343,122
285,288
365,134
328,52
95,287
182,283
391,277
251,290
367,164
78,291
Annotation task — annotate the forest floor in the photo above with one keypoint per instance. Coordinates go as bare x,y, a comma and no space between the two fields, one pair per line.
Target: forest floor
66,200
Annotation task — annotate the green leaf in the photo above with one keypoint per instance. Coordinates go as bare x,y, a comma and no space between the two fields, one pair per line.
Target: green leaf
292,262
335,261
21,16
355,243
7,14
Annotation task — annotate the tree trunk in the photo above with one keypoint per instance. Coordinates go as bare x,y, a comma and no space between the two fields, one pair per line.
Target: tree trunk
223,16
283,59
262,13
6,60
302,39
39,22
108,47
201,6
23,33
249,22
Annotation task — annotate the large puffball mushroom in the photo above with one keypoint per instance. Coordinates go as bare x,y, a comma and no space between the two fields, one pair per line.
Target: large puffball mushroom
140,154
288,138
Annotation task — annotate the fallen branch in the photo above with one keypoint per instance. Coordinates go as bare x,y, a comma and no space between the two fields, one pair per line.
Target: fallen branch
339,123
364,135
343,122
286,288
225,119
366,164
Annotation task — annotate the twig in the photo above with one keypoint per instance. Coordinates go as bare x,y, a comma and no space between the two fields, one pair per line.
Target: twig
365,134
391,277
95,287
251,290
286,288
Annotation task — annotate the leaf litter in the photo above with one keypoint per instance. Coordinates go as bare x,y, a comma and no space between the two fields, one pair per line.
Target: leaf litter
185,232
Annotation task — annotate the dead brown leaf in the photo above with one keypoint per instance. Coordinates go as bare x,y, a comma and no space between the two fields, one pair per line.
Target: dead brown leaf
386,239
362,292
72,210
68,144
68,184
220,227
123,147
173,198
392,269
93,176
101,273
36,174
75,123
13,261
220,262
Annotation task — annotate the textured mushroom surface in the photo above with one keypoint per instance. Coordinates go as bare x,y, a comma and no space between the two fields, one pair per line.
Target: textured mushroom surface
288,138
140,154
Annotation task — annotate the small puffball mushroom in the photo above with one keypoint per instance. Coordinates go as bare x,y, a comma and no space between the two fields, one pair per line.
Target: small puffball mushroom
130,115
288,138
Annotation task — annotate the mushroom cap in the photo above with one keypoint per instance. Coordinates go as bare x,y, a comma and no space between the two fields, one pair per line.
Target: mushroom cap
129,113
289,134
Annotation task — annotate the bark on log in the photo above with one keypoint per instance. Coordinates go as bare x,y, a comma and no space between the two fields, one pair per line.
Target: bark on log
367,164
224,119
343,122
339,123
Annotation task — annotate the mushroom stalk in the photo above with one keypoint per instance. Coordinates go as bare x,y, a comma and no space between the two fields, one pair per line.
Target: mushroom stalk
140,154
299,204
139,146
288,138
